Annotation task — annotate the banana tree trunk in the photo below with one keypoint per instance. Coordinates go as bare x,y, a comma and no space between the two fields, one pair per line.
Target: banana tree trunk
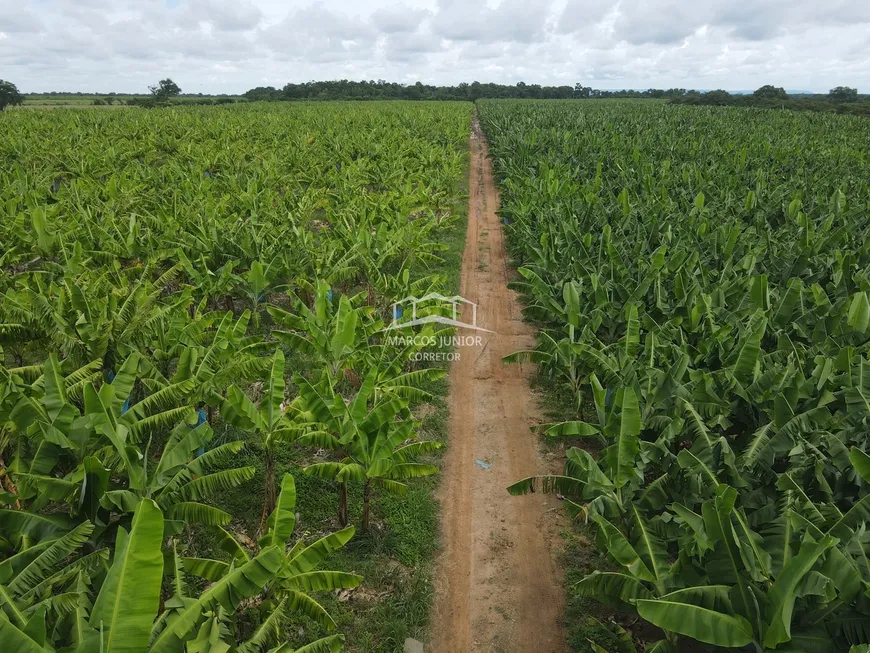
270,497
342,505
7,484
367,495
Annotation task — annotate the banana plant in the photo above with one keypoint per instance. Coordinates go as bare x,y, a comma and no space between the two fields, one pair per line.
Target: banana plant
53,436
392,357
219,357
267,421
70,463
333,335
378,449
45,609
45,581
737,578
181,480
90,317
730,556
212,284
386,286
620,640
612,483
259,282
336,266
296,574
762,591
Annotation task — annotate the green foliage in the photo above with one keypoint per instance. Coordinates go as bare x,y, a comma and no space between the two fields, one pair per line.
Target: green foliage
840,100
97,462
165,90
843,94
45,608
376,437
770,92
706,305
138,256
9,95
266,420
295,574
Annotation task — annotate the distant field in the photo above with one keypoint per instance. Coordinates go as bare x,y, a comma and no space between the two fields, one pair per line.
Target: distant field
72,100
36,100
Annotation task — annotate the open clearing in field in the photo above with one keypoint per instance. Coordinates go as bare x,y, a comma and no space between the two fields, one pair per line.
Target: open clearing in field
498,588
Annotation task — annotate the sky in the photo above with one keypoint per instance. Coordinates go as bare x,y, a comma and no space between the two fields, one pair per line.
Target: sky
229,46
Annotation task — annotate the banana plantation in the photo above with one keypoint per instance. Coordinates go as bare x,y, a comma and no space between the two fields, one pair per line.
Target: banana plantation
188,295
192,365
700,278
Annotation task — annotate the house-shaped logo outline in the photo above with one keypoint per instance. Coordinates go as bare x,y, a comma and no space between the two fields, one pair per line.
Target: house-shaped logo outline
454,301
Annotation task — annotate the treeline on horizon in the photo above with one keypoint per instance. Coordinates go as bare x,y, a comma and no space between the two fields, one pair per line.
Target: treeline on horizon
344,89
841,99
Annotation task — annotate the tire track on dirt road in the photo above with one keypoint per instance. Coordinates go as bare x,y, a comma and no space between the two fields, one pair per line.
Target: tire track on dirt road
498,588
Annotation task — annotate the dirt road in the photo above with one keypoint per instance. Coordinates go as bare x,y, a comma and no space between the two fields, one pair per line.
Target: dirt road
498,588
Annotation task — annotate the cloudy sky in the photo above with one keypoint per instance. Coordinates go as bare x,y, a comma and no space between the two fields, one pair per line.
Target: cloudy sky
229,46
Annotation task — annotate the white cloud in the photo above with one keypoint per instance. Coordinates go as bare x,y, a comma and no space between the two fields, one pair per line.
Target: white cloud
398,19
18,20
233,45
474,20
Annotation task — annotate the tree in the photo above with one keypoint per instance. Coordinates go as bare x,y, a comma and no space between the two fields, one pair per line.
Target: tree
9,95
843,94
769,92
718,97
265,93
164,90
581,92
474,91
